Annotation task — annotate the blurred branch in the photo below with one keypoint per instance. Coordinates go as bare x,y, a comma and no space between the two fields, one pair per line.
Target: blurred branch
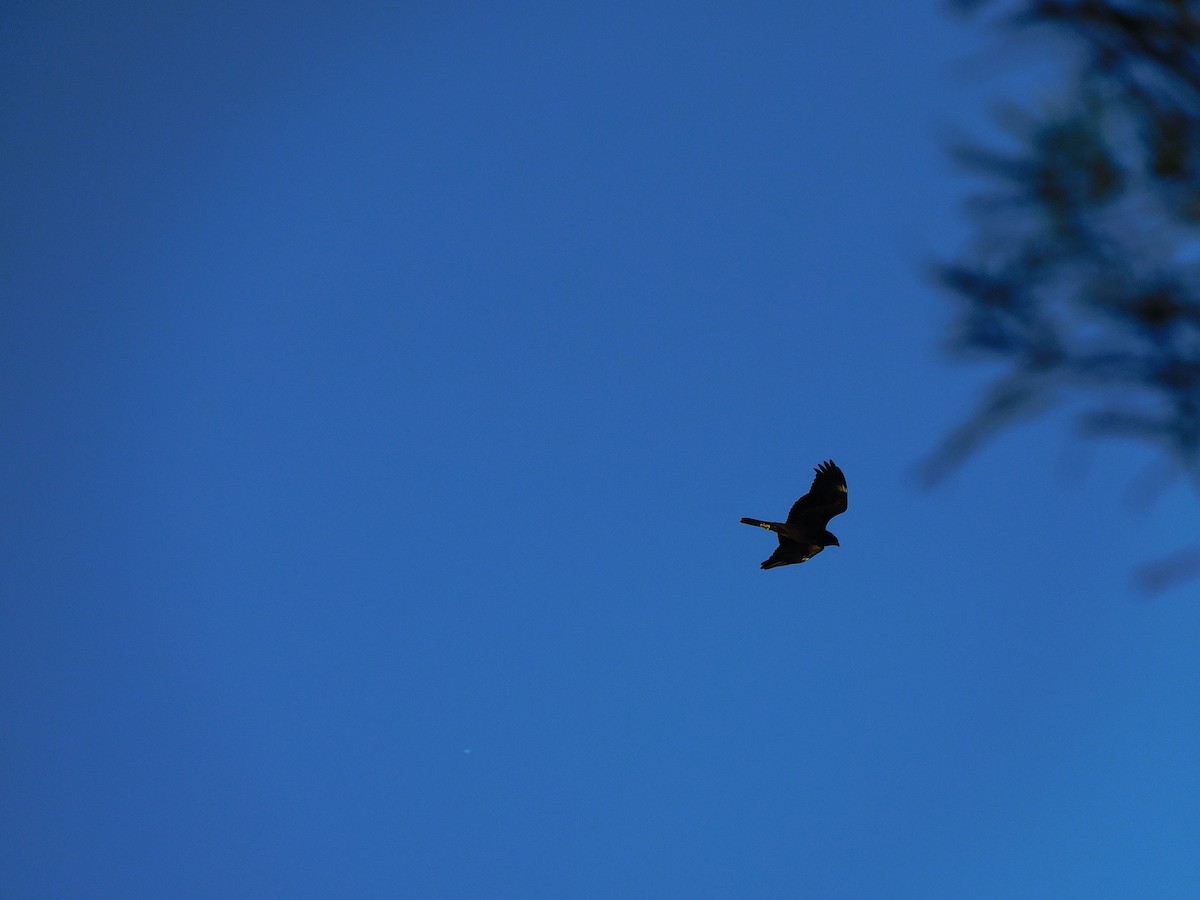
1169,572
1083,279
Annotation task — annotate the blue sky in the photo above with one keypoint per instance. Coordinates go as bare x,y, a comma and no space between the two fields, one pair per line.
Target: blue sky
383,384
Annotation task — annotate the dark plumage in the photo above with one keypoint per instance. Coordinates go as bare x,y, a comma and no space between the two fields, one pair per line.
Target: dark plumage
803,535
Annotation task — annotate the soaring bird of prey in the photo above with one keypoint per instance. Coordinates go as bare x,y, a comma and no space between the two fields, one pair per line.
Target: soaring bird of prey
803,535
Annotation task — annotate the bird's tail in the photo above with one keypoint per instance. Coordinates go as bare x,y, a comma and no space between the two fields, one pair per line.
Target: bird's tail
759,523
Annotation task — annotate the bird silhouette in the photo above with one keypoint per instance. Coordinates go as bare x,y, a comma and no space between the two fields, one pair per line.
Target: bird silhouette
804,534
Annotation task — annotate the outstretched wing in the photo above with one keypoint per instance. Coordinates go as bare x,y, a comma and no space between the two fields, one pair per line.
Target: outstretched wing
826,498
789,552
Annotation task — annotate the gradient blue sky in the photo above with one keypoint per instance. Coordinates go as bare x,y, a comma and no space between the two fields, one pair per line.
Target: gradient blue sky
383,384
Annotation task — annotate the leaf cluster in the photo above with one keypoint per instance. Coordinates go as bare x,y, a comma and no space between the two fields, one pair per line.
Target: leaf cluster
1083,279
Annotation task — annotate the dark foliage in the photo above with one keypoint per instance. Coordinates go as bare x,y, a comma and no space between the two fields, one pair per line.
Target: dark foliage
1084,278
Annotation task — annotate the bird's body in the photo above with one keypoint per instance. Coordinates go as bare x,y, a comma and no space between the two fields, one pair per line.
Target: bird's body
804,534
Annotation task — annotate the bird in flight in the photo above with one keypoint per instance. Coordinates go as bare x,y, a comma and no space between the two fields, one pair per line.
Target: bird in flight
803,535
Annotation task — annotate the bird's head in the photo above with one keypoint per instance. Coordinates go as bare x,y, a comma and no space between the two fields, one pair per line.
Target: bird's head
831,539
